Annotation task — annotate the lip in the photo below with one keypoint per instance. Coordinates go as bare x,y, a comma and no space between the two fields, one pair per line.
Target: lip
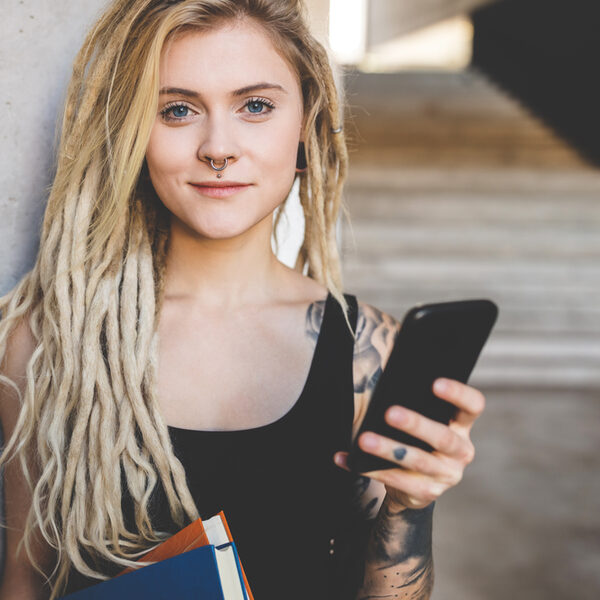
219,189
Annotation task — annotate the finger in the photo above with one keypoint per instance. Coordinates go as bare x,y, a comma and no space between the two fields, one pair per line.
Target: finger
420,488
341,460
410,457
469,400
439,436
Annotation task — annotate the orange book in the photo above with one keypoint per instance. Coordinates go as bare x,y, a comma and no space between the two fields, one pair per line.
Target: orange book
193,536
190,537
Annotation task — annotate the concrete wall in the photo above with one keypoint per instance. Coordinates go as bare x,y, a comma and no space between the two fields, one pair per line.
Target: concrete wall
38,42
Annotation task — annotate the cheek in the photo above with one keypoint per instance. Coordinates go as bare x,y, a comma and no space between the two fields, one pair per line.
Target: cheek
279,151
281,157
164,157
278,164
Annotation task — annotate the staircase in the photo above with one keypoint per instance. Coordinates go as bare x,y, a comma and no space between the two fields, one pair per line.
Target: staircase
458,192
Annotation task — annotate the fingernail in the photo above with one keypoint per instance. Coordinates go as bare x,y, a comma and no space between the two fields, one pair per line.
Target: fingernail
340,460
440,386
397,414
368,441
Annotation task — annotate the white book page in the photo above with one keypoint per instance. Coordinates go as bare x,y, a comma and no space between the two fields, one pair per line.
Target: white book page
215,531
230,576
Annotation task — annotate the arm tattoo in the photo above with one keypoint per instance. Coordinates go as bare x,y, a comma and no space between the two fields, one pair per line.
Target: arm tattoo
399,563
366,505
398,536
375,334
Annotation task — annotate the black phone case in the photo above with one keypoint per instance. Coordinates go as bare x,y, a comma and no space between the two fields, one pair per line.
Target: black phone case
435,340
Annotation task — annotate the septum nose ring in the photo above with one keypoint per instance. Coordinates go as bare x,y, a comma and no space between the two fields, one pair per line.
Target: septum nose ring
215,168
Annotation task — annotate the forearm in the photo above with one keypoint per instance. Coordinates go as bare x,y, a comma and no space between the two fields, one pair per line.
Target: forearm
398,561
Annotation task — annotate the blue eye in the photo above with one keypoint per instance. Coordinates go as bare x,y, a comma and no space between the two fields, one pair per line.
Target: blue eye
180,111
175,112
257,106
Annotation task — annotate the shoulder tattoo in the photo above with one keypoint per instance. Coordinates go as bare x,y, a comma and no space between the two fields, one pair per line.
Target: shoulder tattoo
375,334
314,319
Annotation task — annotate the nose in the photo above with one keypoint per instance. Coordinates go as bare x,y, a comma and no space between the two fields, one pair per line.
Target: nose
218,145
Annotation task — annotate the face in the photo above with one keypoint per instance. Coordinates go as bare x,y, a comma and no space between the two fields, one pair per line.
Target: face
225,93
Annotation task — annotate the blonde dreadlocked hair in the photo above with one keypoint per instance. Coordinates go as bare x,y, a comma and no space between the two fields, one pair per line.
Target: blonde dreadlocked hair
93,297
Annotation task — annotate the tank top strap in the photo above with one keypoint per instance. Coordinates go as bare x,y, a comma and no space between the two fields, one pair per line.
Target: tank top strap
336,344
329,392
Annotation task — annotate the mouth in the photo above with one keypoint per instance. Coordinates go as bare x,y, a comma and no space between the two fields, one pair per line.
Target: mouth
219,189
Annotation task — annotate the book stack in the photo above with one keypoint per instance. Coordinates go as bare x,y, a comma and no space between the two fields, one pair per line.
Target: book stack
200,562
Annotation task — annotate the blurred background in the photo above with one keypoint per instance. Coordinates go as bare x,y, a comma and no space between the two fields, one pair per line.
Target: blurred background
475,146
475,157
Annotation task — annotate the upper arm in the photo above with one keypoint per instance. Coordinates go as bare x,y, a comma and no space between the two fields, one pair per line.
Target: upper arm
375,335
19,578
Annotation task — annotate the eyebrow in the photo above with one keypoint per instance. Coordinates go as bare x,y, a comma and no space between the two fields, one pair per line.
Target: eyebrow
240,92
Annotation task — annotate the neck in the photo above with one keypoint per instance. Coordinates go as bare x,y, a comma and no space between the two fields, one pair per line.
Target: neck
223,274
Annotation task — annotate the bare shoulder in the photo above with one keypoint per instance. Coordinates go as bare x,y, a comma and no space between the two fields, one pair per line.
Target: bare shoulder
375,335
19,348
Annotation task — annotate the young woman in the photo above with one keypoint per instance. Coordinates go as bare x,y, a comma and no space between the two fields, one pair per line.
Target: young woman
159,363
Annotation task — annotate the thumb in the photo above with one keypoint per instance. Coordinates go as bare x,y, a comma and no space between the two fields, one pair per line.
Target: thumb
341,460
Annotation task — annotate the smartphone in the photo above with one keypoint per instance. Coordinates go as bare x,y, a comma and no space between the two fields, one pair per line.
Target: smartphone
435,340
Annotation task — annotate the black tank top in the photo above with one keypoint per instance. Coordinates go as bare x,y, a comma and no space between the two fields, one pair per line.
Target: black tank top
288,505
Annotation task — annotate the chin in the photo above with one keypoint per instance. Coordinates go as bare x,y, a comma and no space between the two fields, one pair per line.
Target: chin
219,232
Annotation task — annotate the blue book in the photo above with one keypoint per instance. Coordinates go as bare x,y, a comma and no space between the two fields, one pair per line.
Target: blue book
206,573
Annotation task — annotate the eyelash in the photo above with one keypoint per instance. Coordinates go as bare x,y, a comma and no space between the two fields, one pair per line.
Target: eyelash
166,111
264,101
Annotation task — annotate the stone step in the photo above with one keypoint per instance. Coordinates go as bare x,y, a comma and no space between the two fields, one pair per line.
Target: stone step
523,375
581,299
446,118
410,94
516,322
370,203
578,314
549,355
550,360
556,241
473,271
473,179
